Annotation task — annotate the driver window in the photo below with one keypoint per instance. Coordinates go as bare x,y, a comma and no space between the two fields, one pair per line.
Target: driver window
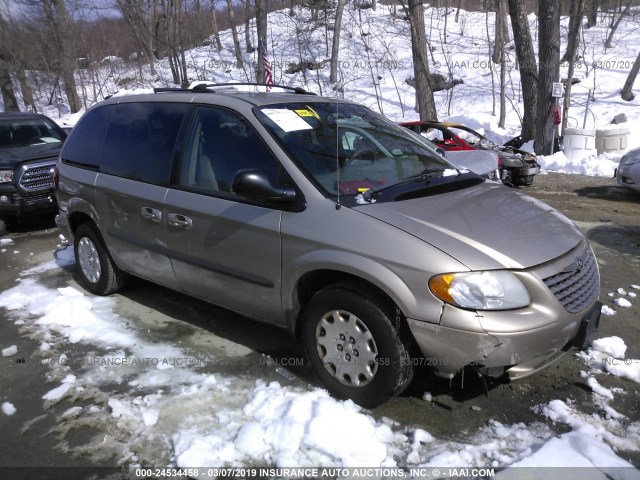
221,144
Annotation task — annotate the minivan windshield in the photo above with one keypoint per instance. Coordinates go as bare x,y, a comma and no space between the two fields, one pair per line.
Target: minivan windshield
347,149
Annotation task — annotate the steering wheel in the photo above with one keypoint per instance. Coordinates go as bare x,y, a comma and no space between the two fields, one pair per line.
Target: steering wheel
365,153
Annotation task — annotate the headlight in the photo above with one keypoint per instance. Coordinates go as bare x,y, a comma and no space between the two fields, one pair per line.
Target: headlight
6,176
494,290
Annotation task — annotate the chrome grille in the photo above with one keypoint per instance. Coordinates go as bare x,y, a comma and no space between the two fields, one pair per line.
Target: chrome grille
37,177
578,285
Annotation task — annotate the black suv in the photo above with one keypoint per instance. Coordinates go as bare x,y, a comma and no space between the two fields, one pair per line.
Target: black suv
29,146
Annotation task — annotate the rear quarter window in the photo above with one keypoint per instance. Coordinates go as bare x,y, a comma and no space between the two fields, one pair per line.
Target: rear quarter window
84,145
129,140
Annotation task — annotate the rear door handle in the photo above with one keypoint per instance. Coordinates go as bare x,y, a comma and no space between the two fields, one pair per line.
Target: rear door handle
179,221
152,214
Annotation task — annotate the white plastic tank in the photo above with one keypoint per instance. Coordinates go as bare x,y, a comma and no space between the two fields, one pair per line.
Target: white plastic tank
579,143
612,140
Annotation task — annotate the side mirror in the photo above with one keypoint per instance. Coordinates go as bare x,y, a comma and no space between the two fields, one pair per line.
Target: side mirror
442,152
256,184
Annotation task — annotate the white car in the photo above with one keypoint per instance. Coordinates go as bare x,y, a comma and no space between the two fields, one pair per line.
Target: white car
628,172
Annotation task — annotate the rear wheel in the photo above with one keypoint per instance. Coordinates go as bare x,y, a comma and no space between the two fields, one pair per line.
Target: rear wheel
98,273
354,347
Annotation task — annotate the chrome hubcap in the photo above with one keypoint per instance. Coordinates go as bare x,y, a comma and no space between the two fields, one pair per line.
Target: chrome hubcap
89,260
346,348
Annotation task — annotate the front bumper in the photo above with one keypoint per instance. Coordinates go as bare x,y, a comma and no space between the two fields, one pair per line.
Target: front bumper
519,354
15,204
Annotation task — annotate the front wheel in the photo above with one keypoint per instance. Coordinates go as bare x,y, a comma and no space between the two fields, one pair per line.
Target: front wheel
354,347
98,273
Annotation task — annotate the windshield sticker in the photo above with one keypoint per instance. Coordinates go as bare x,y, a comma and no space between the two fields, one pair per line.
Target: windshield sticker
287,120
308,112
304,113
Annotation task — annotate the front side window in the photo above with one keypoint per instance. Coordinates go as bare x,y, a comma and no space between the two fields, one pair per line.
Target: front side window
221,144
347,149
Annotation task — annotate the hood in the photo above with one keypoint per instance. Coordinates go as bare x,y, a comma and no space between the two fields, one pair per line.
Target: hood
485,227
10,157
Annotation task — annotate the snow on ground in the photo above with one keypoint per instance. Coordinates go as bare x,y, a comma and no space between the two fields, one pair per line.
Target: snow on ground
166,412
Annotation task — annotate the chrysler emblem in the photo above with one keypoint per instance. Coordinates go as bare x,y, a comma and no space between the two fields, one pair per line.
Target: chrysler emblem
577,266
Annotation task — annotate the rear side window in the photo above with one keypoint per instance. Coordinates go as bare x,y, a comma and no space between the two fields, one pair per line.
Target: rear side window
140,141
84,145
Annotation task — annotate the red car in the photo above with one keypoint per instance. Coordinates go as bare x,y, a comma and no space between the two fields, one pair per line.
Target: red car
516,167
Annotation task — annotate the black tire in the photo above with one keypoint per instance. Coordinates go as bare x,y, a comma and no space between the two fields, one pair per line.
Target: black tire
370,378
98,273
3,227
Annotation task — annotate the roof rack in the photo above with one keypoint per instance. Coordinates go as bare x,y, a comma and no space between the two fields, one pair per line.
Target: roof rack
214,87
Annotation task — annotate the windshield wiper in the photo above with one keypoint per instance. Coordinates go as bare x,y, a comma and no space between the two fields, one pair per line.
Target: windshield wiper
425,175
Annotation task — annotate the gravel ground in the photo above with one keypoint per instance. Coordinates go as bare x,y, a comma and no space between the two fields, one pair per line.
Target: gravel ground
608,214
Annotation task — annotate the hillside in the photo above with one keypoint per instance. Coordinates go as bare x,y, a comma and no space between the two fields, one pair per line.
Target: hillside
376,62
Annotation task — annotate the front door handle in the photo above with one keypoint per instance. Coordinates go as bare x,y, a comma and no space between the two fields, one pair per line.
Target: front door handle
152,214
179,221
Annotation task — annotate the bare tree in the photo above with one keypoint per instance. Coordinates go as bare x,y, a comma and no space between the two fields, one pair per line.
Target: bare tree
6,87
592,16
247,27
56,13
576,13
261,27
142,18
234,34
575,22
214,25
627,93
12,58
549,55
335,45
424,95
527,63
502,37
616,24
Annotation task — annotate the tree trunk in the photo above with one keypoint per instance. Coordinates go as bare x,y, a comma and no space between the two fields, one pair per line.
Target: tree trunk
25,88
501,26
335,46
627,90
56,12
261,28
139,26
573,36
575,22
528,68
424,95
234,34
616,24
549,54
6,86
592,17
214,25
247,28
